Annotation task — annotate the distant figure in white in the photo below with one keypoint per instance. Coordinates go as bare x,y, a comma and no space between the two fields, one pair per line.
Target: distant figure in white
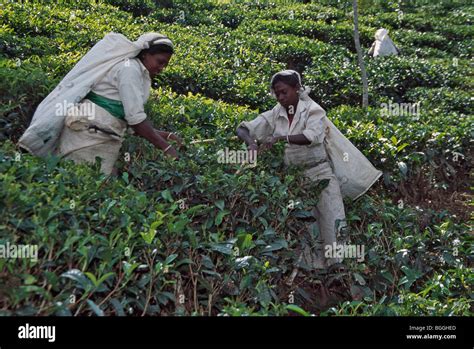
383,45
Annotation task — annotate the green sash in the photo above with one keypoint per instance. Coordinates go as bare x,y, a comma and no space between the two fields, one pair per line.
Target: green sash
111,105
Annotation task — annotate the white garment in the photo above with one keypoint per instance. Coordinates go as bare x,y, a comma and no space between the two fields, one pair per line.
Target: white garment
307,120
329,212
42,135
353,170
90,131
129,82
383,45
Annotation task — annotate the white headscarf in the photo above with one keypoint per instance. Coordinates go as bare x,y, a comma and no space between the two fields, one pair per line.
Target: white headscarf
149,39
380,34
303,92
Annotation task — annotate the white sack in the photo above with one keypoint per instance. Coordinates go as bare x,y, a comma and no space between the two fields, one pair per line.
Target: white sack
383,45
353,170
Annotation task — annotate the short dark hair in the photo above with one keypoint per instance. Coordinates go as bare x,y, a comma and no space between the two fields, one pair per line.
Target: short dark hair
154,49
291,80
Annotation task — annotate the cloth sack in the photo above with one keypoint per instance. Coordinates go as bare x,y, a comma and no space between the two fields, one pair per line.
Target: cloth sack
383,45
353,170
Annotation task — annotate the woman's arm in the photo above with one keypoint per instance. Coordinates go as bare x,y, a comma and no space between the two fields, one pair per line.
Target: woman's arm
293,139
145,129
170,136
297,139
244,135
371,50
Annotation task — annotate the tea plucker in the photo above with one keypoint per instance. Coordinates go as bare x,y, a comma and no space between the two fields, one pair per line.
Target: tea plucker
314,143
106,94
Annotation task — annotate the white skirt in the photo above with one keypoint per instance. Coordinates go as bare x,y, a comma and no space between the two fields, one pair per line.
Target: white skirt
90,131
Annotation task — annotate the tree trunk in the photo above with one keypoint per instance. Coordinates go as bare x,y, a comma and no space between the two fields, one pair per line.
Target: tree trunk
365,89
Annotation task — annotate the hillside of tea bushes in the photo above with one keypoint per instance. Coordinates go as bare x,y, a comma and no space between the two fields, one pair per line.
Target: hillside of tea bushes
196,237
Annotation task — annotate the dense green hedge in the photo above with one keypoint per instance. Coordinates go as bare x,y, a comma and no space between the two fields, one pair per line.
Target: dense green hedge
223,237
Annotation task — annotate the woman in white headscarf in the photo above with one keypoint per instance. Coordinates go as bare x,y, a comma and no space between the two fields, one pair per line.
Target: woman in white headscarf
302,124
383,45
89,112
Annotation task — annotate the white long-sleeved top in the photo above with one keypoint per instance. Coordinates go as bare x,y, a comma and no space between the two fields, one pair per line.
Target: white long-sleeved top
129,82
308,120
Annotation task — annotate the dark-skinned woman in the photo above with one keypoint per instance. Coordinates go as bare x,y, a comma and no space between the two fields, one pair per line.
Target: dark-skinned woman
108,89
300,123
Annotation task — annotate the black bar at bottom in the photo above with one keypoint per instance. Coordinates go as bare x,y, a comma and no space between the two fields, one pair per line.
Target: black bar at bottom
435,332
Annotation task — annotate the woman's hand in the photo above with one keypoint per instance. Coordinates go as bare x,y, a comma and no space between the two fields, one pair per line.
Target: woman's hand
252,152
146,130
172,152
170,136
268,144
176,138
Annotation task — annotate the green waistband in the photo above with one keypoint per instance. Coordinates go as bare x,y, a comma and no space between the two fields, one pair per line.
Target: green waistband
111,105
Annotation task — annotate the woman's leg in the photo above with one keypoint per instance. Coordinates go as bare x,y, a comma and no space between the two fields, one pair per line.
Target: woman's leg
330,216
329,213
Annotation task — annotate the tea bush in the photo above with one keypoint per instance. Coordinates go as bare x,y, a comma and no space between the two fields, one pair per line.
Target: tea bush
196,237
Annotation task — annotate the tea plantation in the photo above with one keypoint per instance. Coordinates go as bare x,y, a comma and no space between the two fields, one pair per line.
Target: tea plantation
197,237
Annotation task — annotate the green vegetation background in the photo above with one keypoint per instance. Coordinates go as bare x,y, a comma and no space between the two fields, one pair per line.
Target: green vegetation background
198,237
